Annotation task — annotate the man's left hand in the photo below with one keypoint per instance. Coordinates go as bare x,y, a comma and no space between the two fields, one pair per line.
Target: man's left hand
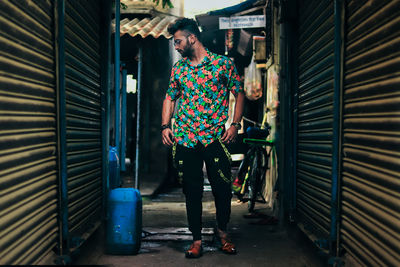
230,135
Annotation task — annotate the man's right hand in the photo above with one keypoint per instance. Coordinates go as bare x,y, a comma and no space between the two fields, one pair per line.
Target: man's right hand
167,137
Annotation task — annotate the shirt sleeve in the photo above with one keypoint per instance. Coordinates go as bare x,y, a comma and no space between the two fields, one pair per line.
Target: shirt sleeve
173,91
234,82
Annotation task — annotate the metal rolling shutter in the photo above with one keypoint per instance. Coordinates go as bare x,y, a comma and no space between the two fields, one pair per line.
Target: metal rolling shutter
370,229
83,114
315,119
28,176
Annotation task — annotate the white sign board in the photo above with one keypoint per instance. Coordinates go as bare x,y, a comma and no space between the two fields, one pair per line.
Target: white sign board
257,21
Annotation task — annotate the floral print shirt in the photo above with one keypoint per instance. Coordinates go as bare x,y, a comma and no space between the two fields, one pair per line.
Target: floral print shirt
202,95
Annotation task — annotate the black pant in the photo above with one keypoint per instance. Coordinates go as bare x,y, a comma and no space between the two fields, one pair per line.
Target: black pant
189,163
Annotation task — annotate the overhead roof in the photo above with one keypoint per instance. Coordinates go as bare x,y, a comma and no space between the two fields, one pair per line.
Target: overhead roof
236,8
156,26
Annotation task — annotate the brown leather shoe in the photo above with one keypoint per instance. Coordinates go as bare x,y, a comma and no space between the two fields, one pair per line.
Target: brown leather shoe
226,244
195,251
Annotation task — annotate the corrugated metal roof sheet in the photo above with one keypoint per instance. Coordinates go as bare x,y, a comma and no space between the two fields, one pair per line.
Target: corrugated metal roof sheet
148,4
155,27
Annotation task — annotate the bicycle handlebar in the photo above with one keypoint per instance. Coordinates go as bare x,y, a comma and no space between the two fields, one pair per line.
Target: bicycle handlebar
261,142
252,122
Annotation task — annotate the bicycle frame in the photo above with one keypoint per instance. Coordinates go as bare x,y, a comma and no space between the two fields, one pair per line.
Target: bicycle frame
254,167
255,163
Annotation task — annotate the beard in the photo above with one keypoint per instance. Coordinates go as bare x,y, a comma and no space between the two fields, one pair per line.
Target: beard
187,51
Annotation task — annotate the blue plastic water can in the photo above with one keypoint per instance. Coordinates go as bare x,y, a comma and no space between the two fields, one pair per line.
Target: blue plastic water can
124,221
114,169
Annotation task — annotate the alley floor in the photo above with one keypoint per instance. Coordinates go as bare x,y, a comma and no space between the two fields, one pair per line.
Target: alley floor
258,244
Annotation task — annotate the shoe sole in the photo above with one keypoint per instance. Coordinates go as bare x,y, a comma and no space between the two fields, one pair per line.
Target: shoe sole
192,256
218,243
229,253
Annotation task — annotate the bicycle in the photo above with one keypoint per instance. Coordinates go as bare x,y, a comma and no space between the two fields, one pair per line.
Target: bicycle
252,170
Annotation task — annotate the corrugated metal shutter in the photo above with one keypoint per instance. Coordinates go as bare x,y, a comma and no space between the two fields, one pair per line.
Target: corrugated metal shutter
315,118
28,176
83,108
370,229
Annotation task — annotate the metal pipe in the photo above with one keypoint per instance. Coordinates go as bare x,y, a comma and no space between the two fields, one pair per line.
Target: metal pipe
338,57
62,129
105,98
123,119
139,89
285,155
293,42
146,138
116,76
338,108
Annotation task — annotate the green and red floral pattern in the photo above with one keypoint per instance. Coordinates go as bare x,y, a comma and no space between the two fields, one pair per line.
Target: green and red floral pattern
202,95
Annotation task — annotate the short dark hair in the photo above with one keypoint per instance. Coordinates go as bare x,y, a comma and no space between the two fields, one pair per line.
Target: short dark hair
184,24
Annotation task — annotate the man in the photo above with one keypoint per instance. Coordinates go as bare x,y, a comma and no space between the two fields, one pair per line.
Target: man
202,81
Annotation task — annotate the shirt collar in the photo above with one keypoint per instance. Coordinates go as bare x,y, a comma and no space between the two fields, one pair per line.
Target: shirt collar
206,60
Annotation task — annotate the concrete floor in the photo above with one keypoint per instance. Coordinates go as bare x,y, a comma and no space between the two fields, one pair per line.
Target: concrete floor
258,245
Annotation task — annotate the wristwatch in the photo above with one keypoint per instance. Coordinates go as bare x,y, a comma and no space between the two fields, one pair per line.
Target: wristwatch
237,125
165,126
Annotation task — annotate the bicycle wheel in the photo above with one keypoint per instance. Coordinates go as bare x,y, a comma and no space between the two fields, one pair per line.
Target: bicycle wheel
253,183
238,182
